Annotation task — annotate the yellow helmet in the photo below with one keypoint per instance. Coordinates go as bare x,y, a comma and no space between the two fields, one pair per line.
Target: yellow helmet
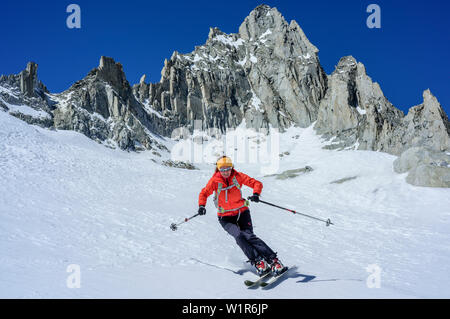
224,161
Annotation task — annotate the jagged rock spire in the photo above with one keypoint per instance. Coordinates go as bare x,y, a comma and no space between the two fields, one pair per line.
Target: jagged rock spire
427,124
112,73
28,79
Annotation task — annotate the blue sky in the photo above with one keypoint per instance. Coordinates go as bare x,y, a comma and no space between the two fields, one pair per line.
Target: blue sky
408,54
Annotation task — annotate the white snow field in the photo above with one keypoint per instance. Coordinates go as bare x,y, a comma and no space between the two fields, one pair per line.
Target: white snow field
67,200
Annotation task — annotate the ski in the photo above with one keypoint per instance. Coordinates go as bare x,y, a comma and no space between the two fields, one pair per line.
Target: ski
251,284
274,278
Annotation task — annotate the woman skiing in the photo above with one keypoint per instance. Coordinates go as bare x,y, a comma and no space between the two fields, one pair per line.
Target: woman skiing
234,214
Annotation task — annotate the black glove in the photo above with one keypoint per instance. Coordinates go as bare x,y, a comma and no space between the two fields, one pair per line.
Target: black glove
254,198
202,210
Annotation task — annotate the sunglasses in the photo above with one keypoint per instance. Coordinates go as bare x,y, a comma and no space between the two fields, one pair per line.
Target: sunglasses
225,169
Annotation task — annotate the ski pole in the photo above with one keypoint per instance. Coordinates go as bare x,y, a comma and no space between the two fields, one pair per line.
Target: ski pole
328,221
174,226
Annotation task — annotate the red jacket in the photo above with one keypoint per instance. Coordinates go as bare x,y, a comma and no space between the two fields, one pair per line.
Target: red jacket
229,199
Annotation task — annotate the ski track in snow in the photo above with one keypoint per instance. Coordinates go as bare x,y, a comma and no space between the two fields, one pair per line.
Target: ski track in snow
68,200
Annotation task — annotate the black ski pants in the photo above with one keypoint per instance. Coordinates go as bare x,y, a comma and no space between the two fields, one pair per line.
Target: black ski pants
241,228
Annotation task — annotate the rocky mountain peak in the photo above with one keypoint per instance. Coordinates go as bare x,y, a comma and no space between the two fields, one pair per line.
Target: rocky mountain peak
112,73
213,32
103,107
259,20
298,31
346,64
429,109
348,69
28,79
29,82
285,40
427,124
432,105
143,78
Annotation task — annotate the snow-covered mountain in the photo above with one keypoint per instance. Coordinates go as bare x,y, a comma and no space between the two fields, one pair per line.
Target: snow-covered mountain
94,176
268,75
67,200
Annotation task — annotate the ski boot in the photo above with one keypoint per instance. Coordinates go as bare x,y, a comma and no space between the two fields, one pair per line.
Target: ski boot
261,266
277,267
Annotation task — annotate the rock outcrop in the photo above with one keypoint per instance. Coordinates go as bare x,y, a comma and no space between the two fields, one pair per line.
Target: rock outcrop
102,106
356,112
426,125
425,167
26,82
291,173
24,96
268,74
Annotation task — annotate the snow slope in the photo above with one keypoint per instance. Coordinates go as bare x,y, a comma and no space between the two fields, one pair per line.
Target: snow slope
65,199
